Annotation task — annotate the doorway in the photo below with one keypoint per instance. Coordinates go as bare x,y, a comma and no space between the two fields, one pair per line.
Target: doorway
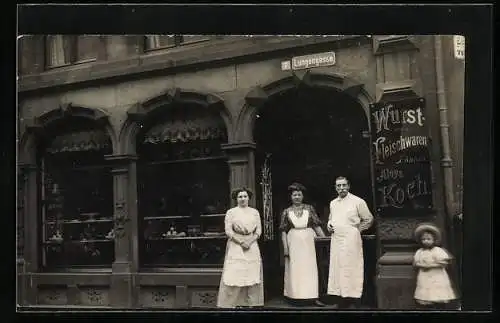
311,136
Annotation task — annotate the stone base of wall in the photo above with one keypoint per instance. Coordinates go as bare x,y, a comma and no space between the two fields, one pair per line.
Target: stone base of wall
395,281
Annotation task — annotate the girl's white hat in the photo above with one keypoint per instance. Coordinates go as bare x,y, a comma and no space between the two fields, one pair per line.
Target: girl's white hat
428,227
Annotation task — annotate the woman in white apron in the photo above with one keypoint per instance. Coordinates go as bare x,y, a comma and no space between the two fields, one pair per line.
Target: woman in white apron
299,225
241,282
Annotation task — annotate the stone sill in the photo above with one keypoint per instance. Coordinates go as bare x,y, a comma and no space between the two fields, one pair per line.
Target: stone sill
171,61
396,258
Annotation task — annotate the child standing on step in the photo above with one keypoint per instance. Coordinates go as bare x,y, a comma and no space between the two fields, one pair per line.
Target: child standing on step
433,289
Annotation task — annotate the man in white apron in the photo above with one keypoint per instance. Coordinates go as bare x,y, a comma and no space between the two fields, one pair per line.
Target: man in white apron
349,216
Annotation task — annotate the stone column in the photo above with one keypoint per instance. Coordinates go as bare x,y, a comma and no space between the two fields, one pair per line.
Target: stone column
398,77
241,166
28,214
124,267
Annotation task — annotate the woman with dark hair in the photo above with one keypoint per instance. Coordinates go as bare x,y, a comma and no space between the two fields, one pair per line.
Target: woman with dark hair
241,282
299,225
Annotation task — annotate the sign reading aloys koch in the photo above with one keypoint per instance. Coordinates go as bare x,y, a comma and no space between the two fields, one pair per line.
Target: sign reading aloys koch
314,60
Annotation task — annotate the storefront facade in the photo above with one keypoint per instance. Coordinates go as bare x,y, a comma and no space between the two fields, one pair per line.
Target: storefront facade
126,162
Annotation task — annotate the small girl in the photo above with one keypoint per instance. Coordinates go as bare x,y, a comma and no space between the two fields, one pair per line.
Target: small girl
433,290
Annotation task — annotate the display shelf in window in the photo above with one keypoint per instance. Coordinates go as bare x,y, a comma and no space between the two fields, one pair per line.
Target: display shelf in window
78,241
75,236
187,240
166,217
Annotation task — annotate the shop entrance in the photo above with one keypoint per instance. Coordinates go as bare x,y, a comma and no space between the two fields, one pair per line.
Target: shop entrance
311,135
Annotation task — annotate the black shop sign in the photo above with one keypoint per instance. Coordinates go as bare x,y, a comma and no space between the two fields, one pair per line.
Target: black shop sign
401,155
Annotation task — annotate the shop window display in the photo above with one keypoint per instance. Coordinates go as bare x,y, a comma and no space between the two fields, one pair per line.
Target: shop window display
77,202
183,191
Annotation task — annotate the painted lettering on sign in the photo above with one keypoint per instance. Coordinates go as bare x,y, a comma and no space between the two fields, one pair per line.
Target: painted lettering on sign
396,194
315,60
401,152
388,115
385,149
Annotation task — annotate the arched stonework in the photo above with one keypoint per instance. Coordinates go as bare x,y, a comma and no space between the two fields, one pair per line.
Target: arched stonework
37,127
144,110
33,130
258,96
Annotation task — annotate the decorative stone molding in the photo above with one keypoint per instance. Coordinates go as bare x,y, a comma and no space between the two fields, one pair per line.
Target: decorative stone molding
157,297
120,169
393,43
52,296
70,110
204,298
397,90
238,147
94,296
398,228
174,95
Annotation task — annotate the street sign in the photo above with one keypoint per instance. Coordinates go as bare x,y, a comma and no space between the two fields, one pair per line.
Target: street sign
309,61
459,46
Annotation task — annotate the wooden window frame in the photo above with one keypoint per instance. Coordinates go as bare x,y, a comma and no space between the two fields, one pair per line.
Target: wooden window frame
178,42
73,50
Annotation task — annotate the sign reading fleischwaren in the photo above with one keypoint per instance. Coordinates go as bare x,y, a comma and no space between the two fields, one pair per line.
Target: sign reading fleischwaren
314,60
401,153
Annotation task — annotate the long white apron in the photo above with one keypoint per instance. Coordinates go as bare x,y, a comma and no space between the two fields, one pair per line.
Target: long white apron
242,267
346,262
301,269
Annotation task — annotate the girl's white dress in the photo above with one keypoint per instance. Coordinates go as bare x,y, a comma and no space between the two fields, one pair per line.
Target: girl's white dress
433,284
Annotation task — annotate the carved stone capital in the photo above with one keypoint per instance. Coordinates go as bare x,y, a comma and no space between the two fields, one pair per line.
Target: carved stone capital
238,153
237,147
120,162
393,43
256,96
394,91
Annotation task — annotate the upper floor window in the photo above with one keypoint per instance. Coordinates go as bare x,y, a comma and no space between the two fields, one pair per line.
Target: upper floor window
152,42
63,50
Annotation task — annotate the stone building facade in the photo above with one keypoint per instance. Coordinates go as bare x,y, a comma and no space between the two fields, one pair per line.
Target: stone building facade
95,118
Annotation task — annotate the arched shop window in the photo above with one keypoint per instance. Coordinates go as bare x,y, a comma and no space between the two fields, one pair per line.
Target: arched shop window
77,197
183,187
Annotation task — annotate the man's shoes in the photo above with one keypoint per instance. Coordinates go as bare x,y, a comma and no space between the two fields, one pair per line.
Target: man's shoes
319,303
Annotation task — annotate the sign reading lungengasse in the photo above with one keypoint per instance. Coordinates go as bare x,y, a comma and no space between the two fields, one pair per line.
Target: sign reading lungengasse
314,60
401,157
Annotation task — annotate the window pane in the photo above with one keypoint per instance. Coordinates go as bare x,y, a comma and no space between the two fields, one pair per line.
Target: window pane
183,180
77,213
184,217
159,41
58,50
87,47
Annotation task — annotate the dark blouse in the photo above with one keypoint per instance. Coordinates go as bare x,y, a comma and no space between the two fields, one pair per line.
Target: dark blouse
312,222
